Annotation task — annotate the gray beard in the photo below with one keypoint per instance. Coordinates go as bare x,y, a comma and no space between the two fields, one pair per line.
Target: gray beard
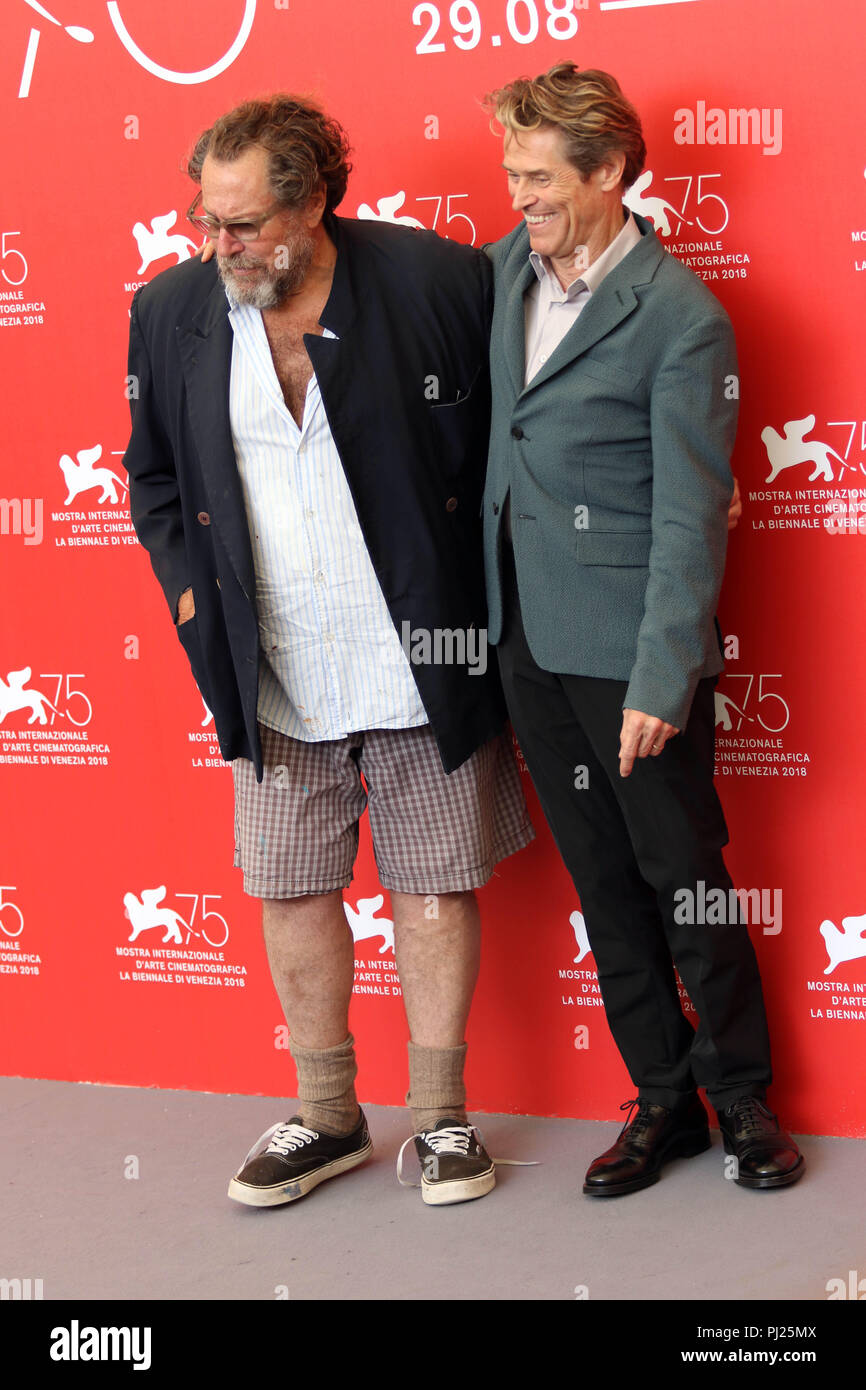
275,286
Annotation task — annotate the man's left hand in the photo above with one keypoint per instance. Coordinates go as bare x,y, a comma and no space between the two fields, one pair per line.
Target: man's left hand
642,736
735,509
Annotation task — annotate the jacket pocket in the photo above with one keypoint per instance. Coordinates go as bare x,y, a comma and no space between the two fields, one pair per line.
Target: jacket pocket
461,429
621,548
610,375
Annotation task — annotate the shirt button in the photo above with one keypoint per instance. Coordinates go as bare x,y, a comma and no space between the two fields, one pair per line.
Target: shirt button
203,518
516,432
495,508
451,504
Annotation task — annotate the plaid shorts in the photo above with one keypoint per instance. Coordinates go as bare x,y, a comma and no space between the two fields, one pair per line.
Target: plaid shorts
296,832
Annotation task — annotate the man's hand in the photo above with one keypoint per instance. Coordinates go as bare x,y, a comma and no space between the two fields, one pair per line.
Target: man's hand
735,510
185,607
642,736
209,250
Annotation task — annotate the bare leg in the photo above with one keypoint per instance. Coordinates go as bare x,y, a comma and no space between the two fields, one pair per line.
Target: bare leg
309,946
310,951
437,960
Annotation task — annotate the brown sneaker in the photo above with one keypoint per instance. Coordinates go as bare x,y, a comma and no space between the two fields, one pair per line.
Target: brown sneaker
455,1166
296,1160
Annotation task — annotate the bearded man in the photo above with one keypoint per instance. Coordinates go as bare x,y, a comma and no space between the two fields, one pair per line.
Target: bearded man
306,468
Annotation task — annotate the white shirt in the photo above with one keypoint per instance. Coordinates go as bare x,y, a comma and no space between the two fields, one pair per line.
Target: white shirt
331,659
550,310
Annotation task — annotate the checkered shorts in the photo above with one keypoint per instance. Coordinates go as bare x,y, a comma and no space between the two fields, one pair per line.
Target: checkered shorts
296,832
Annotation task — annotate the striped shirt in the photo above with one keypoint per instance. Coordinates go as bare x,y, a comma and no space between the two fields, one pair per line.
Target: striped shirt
331,660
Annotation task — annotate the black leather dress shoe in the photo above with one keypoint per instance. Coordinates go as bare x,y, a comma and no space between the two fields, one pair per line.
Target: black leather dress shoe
766,1155
655,1135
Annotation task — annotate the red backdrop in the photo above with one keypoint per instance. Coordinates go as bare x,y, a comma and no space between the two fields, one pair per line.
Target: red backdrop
112,780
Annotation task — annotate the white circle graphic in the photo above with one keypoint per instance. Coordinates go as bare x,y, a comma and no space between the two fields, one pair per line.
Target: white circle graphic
170,74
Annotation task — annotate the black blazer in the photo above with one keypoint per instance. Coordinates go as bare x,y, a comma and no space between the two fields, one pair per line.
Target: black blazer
406,389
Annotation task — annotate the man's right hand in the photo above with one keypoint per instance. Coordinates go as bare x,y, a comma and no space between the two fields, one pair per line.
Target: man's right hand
206,252
185,607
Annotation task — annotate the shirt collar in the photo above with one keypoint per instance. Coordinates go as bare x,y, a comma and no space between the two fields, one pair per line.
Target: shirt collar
592,277
234,306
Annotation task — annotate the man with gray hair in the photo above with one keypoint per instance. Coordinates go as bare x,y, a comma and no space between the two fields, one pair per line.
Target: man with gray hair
614,379
306,467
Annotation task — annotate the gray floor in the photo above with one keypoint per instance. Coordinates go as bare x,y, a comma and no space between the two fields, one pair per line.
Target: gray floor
71,1218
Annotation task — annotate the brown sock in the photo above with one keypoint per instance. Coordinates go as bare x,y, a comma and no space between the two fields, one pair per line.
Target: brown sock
326,1091
436,1089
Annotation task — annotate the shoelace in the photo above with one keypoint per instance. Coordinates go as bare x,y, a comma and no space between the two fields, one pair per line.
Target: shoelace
642,1119
286,1139
748,1114
454,1140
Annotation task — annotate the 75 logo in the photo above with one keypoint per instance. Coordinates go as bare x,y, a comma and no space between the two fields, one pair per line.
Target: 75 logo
16,693
708,208
11,916
147,911
390,209
771,710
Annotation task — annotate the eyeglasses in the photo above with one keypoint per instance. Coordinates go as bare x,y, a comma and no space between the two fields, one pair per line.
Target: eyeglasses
238,231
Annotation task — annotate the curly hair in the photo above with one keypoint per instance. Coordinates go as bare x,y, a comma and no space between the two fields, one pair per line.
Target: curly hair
306,149
587,106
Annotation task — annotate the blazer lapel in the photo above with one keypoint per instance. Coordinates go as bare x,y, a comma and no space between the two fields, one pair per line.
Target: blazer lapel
612,302
334,359
342,302
205,349
605,310
514,343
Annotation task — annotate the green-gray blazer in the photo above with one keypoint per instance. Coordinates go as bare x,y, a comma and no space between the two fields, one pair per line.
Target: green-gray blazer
616,457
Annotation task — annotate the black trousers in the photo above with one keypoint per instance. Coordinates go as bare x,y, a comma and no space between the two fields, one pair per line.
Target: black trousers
631,846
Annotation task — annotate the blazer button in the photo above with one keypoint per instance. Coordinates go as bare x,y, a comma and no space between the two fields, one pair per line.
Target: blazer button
451,504
495,508
516,432
203,518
